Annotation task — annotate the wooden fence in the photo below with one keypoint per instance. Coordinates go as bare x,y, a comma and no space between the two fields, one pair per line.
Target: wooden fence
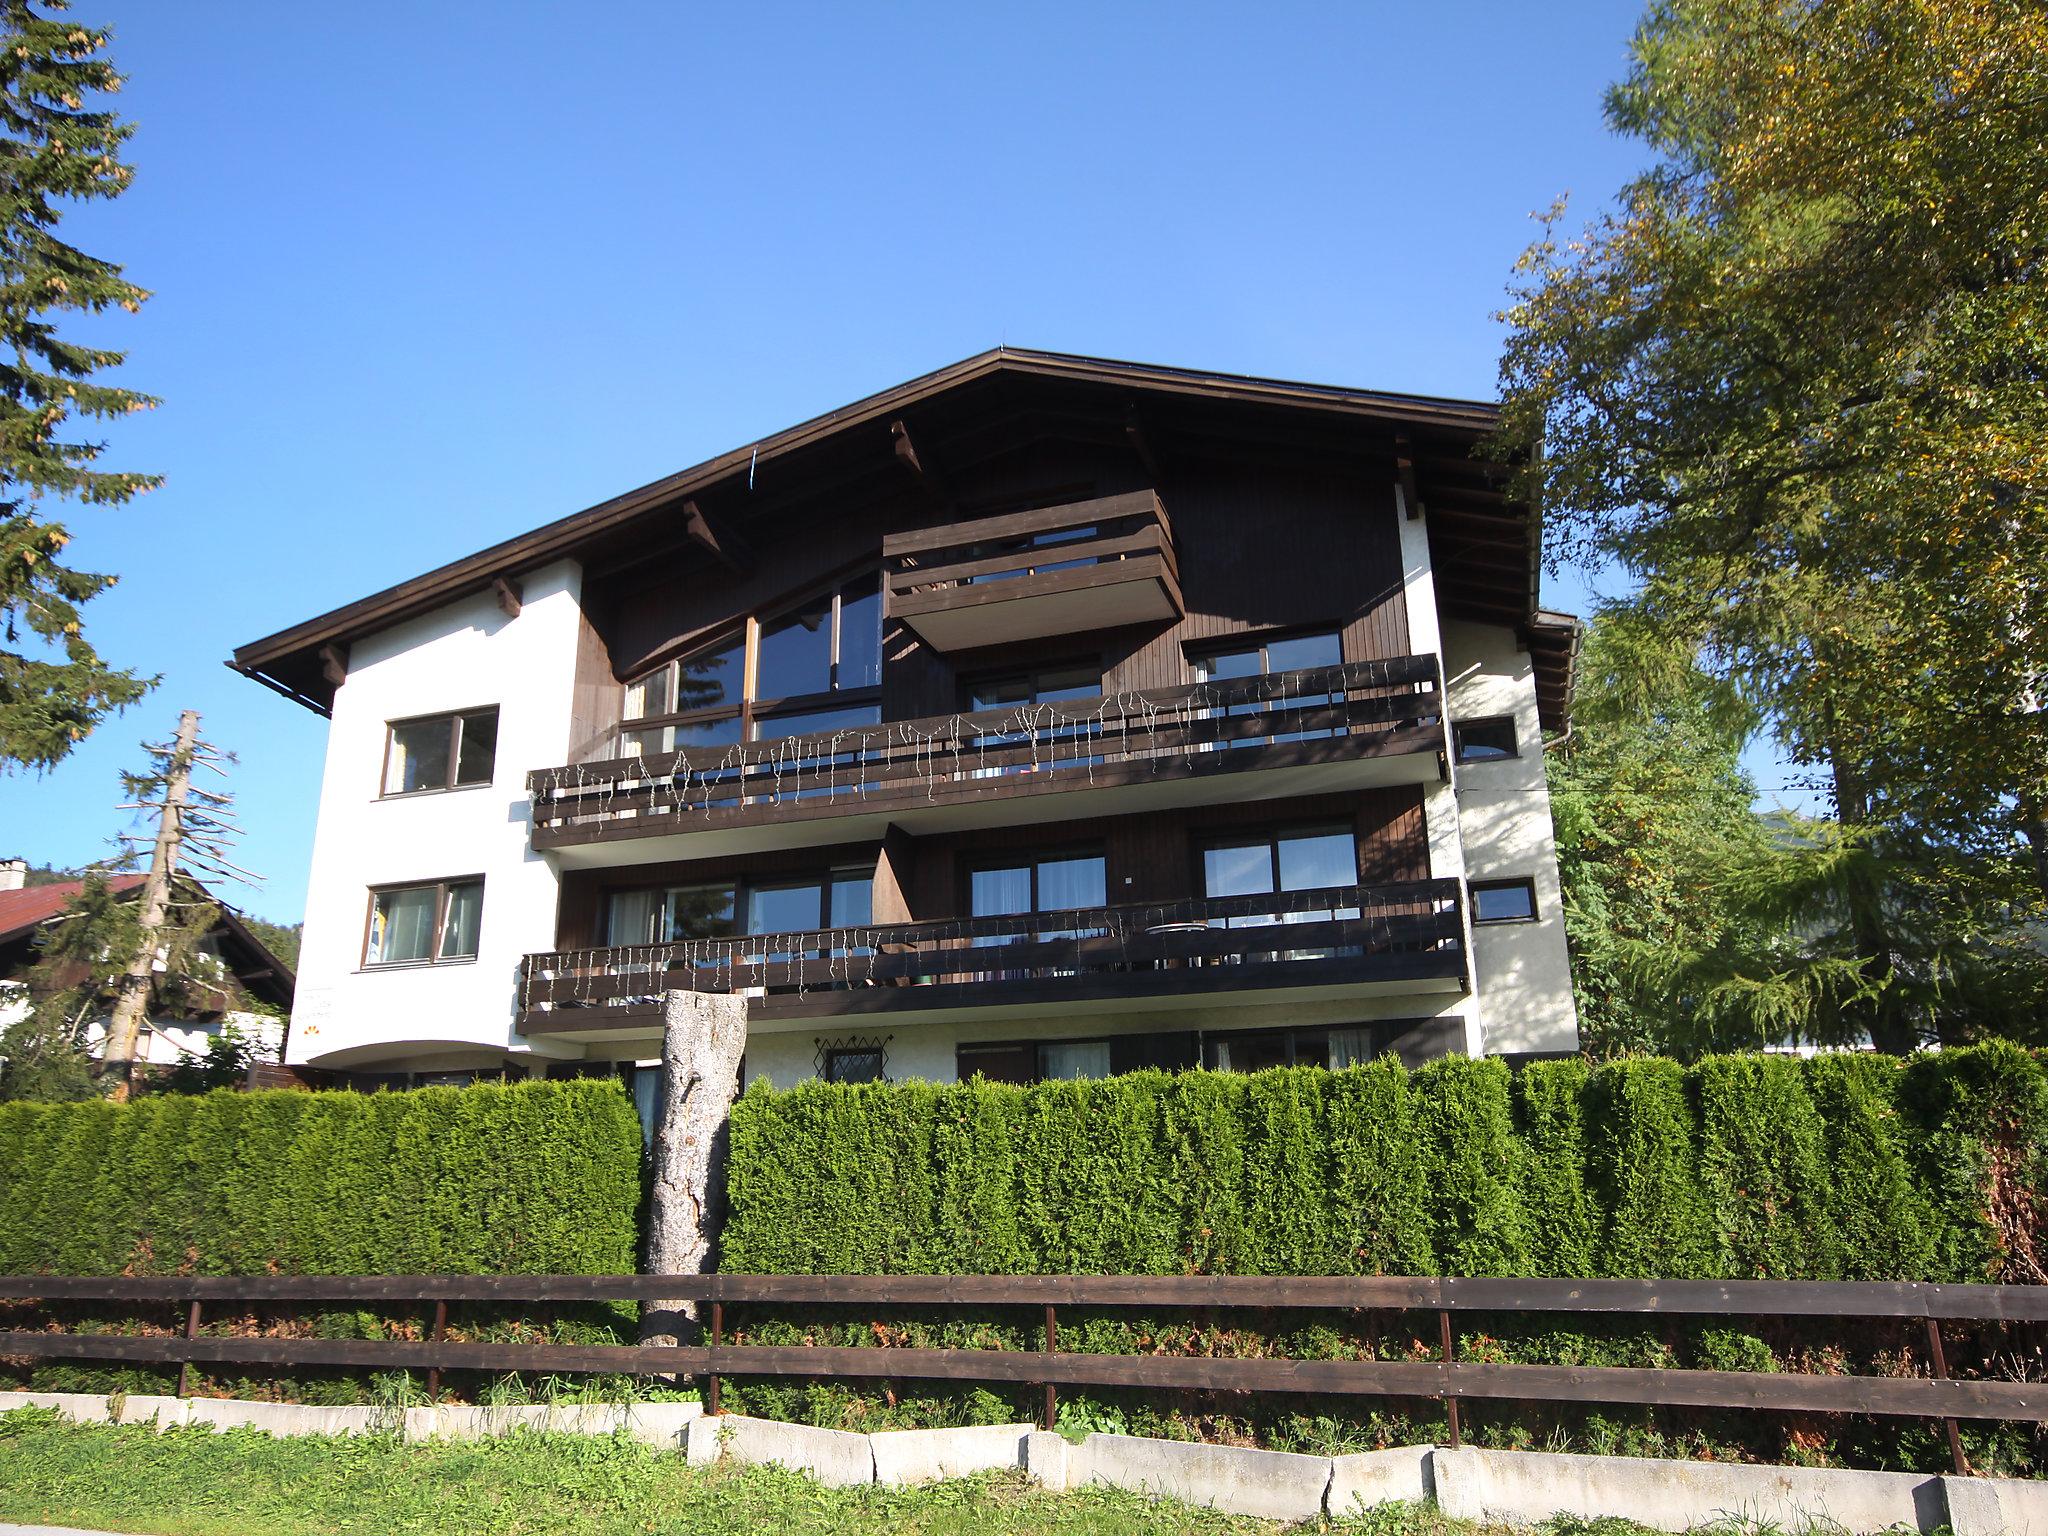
1445,1377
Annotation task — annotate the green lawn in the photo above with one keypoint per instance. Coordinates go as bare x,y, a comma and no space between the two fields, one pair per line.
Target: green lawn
193,1482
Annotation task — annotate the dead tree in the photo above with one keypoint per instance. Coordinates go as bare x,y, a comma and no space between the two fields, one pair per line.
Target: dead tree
703,1037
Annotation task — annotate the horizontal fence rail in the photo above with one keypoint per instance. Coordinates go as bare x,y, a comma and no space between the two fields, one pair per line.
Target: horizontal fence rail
1285,719
1398,932
1938,1396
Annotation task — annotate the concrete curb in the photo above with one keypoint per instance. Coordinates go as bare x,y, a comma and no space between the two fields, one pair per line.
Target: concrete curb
1470,1484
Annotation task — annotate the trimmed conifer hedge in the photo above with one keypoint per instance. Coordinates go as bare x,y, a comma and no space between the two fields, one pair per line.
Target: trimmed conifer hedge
530,1178
1839,1167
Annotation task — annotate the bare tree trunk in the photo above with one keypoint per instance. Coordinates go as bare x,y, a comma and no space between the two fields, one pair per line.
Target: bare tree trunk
131,1001
703,1037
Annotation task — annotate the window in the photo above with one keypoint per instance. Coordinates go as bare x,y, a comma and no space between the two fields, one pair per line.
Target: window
1485,741
853,1064
1056,883
1264,658
1255,1050
842,898
1266,863
440,752
1044,685
424,924
1503,901
1037,1061
812,664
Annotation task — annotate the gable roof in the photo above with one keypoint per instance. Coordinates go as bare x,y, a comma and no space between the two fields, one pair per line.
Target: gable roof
253,963
293,661
25,910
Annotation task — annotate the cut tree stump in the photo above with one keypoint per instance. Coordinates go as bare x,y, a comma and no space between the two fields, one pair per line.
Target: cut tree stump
703,1036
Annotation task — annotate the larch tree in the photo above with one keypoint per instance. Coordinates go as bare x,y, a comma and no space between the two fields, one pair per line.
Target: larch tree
58,146
1796,383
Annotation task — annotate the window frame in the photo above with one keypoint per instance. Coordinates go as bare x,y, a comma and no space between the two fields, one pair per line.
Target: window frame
833,1053
750,708
455,719
1272,837
1199,653
441,888
1031,677
1519,882
1459,727
981,863
743,888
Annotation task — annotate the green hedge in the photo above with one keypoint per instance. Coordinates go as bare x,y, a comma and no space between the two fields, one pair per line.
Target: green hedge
1838,1167
533,1178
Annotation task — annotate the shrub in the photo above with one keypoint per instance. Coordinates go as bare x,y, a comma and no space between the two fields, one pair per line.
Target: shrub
531,1178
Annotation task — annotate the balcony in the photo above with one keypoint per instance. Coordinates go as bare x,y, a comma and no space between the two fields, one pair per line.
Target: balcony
1342,941
1288,733
1052,571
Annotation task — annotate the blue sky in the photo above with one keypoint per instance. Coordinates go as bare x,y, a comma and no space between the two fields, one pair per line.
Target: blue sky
430,275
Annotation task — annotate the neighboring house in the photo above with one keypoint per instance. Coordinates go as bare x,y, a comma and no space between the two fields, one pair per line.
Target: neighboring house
243,971
1040,717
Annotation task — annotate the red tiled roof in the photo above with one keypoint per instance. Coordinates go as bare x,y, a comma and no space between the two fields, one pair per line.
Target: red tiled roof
21,911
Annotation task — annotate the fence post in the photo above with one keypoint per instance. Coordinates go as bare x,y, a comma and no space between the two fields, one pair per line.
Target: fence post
1052,1345
191,1332
1450,1351
1955,1437
434,1337
717,1338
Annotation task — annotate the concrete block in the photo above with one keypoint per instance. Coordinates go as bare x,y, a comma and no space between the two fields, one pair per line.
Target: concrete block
1515,1487
79,1407
832,1456
1269,1485
661,1424
1046,1459
484,1421
1996,1506
1400,1474
419,1423
147,1408
931,1455
284,1419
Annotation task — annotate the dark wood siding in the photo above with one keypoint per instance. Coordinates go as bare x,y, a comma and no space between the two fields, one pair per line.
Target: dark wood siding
1158,853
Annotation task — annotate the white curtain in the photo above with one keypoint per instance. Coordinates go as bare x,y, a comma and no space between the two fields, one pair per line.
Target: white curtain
1350,1048
1074,1059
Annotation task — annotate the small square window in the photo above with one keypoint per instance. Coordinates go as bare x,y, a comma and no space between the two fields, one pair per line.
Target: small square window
1485,741
1503,901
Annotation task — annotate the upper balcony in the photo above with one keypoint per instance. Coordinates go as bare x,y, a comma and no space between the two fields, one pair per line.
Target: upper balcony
1287,733
1026,575
1289,946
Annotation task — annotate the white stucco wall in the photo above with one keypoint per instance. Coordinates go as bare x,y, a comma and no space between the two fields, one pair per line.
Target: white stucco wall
1522,970
461,657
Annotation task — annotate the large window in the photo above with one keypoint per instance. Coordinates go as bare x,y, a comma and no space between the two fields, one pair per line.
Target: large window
424,924
841,898
1264,863
1055,883
1036,1061
815,667
440,752
1041,685
1263,658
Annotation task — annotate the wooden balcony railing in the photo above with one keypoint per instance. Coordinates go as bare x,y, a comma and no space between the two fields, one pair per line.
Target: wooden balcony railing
993,580
1366,709
1334,936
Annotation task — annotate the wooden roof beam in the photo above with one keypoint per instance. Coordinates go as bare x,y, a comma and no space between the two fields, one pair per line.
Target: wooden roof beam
716,540
1404,476
511,595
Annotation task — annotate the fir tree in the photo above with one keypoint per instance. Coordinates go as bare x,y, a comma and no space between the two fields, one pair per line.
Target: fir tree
56,147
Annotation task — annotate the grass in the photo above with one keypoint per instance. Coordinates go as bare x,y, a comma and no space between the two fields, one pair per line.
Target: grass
195,1482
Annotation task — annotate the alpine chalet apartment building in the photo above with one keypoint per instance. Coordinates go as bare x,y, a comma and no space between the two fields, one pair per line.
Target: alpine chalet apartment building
1043,717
